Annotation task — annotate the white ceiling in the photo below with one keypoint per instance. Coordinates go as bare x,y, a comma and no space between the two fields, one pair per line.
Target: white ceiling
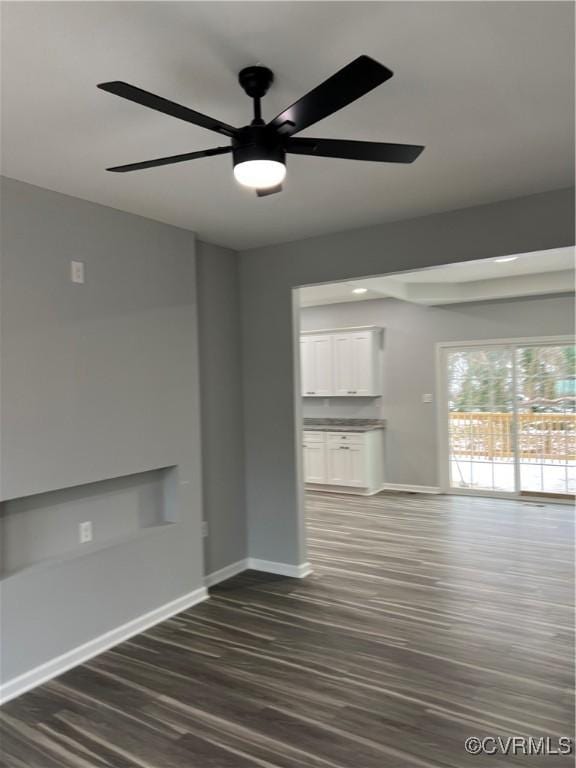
487,87
530,274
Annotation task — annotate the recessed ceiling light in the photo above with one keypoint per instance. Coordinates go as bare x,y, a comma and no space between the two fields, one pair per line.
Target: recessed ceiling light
360,290
504,259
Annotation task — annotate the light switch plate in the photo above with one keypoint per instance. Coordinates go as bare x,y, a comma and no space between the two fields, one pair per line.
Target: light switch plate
77,271
85,532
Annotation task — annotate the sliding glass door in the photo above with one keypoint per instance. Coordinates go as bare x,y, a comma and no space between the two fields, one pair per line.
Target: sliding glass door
510,420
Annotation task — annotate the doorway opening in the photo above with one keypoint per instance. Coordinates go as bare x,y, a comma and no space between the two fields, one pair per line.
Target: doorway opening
458,379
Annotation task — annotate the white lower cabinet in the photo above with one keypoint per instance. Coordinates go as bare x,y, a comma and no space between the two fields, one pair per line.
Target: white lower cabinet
351,459
314,458
346,462
357,469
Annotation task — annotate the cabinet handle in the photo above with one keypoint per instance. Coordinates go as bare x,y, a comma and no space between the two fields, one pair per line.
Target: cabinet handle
310,393
344,448
352,391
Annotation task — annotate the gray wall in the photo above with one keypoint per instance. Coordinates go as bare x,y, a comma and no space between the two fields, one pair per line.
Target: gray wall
273,488
222,406
98,381
409,364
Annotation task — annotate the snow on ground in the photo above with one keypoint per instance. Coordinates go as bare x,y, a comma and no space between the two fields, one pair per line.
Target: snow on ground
498,475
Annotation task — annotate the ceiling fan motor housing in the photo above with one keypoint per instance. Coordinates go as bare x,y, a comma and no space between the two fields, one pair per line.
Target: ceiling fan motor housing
256,81
257,142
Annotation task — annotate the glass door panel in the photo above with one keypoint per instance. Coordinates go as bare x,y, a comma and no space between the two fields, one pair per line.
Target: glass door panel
481,418
546,386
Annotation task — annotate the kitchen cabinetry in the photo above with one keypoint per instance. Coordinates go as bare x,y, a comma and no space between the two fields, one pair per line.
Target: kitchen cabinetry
346,460
314,457
316,365
342,363
354,460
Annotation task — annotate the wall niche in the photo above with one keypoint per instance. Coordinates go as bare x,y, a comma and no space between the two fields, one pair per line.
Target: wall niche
45,528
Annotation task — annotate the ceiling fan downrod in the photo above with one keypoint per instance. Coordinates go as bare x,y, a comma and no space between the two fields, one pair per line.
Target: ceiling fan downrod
256,81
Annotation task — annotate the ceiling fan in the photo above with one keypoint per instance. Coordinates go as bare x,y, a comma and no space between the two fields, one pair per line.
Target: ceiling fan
259,150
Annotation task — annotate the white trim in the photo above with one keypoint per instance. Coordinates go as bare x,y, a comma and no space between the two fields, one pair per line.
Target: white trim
82,653
282,569
297,428
443,469
400,488
211,579
524,340
521,497
349,329
254,564
347,490
396,487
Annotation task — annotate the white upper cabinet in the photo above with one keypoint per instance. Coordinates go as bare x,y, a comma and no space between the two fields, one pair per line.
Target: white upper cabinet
344,363
316,365
356,364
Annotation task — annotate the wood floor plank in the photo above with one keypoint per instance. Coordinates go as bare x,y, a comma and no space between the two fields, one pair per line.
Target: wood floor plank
427,619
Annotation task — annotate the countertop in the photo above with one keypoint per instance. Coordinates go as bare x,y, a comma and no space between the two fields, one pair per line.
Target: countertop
343,425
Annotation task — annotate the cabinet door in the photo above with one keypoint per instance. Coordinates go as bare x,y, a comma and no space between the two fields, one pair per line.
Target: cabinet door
357,470
363,364
314,463
343,365
355,361
322,346
338,465
316,365
306,365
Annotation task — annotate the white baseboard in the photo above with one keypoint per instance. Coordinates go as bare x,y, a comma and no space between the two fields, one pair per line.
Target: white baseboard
254,564
82,653
225,573
345,490
282,569
410,488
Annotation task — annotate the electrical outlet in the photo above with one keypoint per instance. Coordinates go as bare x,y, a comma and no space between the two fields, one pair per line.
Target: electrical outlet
204,528
85,532
77,271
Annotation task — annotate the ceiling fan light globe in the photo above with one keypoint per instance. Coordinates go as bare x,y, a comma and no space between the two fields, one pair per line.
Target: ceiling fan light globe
260,174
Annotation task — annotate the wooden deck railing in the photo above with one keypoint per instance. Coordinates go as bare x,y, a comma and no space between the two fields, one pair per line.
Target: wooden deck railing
541,436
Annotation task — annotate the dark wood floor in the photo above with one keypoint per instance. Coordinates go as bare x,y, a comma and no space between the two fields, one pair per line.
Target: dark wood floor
427,620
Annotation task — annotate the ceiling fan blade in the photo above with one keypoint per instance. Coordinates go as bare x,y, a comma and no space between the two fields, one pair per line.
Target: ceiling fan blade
170,160
269,191
130,92
348,84
374,151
